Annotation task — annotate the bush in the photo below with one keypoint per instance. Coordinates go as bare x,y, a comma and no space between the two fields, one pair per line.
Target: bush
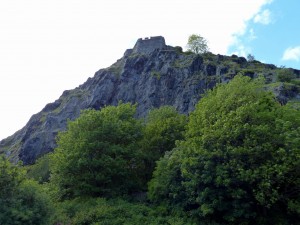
285,75
178,49
295,82
98,211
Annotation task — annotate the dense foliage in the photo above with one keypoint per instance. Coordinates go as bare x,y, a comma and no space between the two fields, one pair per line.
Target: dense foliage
98,154
100,211
163,127
239,163
39,171
21,201
285,75
234,160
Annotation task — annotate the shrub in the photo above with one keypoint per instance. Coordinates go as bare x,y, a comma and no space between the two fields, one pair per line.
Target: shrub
98,211
178,49
285,75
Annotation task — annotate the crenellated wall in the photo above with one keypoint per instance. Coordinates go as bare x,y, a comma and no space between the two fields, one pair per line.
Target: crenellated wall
148,45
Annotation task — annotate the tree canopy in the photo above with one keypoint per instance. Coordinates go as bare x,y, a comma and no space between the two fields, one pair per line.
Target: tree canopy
163,127
239,162
250,58
98,154
21,201
197,44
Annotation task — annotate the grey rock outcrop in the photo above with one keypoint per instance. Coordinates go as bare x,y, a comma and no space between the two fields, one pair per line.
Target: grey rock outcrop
151,74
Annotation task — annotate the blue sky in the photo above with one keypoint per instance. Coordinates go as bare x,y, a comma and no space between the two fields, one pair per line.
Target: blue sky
47,47
272,35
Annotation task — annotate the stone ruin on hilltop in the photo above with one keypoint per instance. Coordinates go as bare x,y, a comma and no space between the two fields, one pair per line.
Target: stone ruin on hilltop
147,45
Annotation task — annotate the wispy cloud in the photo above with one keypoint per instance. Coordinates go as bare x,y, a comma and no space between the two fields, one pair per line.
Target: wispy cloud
241,49
241,37
264,17
292,54
252,35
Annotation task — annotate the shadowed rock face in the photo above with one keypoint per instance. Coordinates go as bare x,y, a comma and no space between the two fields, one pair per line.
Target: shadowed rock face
151,74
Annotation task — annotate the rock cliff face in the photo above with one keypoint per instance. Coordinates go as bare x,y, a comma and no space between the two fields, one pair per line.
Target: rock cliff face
151,74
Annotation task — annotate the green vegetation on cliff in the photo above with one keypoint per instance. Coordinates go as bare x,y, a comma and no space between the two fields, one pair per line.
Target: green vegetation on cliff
234,160
22,201
239,162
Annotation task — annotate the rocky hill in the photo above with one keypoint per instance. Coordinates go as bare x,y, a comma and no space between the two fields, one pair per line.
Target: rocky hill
151,74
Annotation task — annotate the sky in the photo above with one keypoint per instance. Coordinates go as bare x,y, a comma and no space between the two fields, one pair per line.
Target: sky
47,47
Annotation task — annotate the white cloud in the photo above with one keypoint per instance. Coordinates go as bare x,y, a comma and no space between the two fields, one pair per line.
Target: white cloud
248,13
292,54
241,49
258,16
252,35
264,17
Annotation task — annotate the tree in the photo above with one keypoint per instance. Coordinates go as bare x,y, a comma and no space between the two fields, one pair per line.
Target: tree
197,44
239,162
98,155
39,171
21,201
285,75
250,58
163,127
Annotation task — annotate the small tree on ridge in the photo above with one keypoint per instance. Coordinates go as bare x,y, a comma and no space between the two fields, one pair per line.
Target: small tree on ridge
197,44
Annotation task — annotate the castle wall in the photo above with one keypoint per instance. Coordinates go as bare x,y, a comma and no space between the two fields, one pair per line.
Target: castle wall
148,45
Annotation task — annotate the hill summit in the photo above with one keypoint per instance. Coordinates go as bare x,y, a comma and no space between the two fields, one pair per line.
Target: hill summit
151,74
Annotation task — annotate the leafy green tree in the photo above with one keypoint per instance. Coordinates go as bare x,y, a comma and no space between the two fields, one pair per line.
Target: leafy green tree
163,127
10,179
239,162
285,75
98,154
39,171
197,44
22,201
